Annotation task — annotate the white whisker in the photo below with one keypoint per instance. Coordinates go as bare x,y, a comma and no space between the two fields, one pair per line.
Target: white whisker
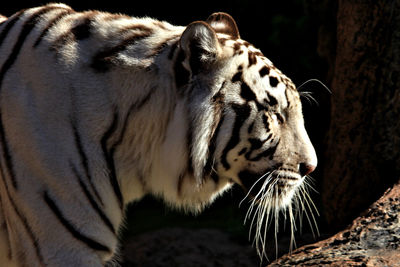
309,97
308,200
276,215
292,229
251,188
266,207
314,80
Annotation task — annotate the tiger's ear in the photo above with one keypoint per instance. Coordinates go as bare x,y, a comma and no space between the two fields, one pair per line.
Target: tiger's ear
200,45
223,23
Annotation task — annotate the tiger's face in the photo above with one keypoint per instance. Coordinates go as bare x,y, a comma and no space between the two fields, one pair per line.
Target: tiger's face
268,151
259,140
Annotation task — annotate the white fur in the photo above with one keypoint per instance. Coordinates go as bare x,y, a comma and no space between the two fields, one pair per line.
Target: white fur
48,88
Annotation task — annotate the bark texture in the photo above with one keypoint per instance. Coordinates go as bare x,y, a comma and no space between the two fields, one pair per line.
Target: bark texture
371,240
362,158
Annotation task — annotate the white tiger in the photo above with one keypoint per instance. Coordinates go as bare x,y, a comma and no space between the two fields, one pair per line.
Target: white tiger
99,109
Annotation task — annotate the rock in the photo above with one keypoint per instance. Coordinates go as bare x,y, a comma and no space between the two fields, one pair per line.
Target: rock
373,239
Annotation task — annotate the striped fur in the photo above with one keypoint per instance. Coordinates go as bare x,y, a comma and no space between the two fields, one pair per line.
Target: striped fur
99,109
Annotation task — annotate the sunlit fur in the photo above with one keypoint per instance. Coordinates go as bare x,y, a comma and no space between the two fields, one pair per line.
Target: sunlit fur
98,110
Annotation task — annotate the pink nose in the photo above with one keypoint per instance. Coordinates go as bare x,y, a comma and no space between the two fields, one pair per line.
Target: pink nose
306,169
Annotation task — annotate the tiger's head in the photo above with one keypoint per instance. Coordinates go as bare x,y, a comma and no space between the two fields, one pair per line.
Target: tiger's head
245,120
237,119
245,116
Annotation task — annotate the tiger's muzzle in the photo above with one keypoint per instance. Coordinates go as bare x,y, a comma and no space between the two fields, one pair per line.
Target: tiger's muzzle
276,183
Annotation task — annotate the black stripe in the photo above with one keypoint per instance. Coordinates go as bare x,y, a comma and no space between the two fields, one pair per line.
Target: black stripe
264,71
215,177
84,159
10,23
242,112
89,197
3,227
75,233
110,152
270,152
237,48
110,160
5,150
51,24
61,41
255,144
252,59
26,29
273,81
77,33
268,137
218,102
82,30
237,77
30,233
22,219
246,92
208,168
132,109
103,60
6,155
280,118
242,151
271,101
287,98
265,122
251,126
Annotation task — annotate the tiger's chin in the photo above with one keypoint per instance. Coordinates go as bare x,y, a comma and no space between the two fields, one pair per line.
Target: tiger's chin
272,189
270,194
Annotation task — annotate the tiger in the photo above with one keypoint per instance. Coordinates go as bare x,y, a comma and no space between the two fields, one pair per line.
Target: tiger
98,110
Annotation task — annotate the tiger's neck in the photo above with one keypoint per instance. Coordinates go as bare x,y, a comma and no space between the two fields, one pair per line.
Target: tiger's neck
151,121
161,147
154,152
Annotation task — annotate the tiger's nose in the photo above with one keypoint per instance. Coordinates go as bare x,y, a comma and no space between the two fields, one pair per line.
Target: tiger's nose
306,168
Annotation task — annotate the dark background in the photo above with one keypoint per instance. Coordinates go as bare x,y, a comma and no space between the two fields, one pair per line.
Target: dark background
349,46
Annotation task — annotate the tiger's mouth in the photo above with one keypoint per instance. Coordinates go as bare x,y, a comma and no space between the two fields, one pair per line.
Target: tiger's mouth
275,183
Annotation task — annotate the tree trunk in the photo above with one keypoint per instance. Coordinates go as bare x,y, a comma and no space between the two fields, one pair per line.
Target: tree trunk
362,150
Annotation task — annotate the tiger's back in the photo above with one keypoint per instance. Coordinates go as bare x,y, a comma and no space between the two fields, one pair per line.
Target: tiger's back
98,109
